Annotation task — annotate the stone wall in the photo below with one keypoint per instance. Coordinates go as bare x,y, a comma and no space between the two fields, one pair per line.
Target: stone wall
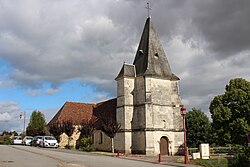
122,142
101,141
124,113
64,138
175,141
138,142
157,116
160,90
139,91
148,109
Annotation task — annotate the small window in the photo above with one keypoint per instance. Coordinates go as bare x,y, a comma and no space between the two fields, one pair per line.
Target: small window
92,139
141,52
156,55
101,138
164,123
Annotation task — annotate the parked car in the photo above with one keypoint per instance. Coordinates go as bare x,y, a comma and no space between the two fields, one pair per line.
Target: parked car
27,140
36,140
49,141
17,140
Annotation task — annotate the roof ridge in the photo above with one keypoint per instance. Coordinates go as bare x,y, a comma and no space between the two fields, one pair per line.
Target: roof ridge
79,102
105,101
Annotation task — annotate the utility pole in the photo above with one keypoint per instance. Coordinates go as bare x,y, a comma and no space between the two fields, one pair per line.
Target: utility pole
23,114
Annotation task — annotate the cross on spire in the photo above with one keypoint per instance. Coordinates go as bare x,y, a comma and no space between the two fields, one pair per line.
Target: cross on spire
148,8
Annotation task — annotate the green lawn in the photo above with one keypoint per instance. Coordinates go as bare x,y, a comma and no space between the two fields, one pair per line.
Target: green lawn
215,162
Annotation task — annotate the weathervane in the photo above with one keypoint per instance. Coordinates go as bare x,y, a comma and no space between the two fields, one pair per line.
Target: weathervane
148,8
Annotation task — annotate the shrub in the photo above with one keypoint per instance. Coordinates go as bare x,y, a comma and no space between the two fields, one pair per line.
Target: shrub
217,162
7,141
88,149
241,159
85,144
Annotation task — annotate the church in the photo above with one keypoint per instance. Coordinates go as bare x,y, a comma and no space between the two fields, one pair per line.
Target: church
147,105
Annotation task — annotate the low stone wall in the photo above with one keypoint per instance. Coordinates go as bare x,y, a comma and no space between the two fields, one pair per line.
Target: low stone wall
64,139
100,141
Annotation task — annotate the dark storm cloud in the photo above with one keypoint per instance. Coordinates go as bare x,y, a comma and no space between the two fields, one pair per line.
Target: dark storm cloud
207,42
224,25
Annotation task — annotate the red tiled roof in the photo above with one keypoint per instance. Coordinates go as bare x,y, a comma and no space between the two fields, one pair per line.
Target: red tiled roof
75,111
104,110
78,112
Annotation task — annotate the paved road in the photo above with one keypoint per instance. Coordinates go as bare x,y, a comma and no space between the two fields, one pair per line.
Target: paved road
24,156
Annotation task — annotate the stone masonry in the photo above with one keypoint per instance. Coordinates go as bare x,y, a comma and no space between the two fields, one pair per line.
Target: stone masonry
148,101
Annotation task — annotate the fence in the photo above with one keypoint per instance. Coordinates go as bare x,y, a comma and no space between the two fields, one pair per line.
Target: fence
218,151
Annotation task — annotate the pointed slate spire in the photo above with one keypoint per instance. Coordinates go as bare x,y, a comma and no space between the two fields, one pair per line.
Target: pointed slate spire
150,58
127,70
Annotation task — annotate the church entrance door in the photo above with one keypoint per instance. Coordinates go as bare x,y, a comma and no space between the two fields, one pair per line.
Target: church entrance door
164,142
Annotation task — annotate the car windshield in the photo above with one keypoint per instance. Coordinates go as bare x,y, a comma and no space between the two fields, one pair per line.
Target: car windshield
17,138
39,137
29,138
49,138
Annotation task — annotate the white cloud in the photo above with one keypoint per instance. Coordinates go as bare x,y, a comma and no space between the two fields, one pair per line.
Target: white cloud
9,116
5,116
33,92
51,91
207,43
9,107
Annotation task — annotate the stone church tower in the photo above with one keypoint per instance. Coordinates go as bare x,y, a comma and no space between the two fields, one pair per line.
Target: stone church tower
148,101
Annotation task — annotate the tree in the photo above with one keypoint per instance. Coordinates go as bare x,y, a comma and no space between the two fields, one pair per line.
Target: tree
68,129
86,130
37,124
198,128
231,112
6,133
110,128
56,129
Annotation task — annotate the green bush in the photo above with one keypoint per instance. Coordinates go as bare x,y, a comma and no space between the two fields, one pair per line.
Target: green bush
88,149
241,159
7,141
218,162
85,145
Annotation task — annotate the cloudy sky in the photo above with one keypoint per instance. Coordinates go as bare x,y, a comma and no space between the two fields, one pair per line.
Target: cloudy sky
52,51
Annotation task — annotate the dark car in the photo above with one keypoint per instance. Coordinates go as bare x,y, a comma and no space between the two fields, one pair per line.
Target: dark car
36,140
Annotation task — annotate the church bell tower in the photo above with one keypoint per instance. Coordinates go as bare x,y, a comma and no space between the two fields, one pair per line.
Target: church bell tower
148,101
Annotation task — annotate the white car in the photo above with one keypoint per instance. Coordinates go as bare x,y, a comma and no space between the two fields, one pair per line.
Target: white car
27,140
17,140
49,141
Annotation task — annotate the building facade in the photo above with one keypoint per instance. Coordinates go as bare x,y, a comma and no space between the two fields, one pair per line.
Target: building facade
147,105
148,101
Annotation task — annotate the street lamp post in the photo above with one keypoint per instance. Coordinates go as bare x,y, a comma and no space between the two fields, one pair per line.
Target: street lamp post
183,113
